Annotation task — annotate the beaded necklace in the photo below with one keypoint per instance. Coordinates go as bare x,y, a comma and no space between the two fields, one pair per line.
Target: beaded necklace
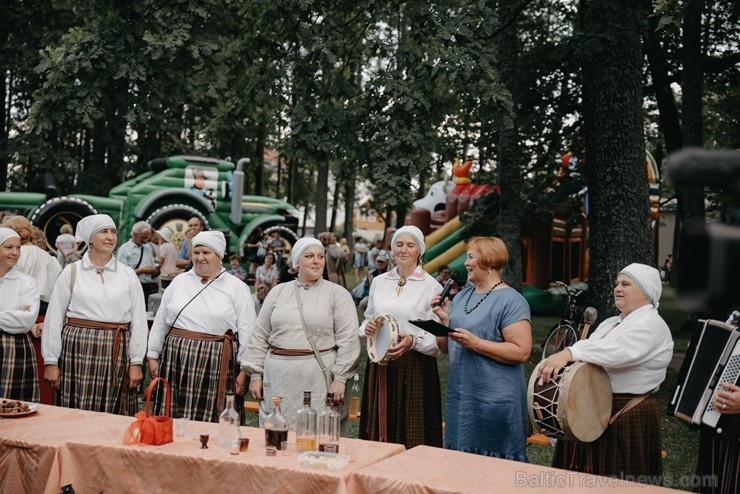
470,294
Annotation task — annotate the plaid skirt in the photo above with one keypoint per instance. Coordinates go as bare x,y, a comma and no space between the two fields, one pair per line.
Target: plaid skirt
629,449
414,401
19,379
92,377
718,466
192,368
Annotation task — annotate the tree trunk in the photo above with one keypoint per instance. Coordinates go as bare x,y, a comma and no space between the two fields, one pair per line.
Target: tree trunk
5,121
259,162
322,191
349,204
613,124
509,152
334,206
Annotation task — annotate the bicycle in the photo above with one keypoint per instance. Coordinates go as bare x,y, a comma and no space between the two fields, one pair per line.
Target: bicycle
566,332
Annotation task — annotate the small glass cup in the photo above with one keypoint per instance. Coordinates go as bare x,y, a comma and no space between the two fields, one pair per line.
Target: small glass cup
243,444
182,428
330,448
285,448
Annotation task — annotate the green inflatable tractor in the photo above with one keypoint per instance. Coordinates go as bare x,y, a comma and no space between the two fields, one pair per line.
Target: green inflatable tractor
173,190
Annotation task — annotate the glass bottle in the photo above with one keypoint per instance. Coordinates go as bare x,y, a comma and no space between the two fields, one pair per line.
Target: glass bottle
305,426
276,427
329,420
354,397
228,426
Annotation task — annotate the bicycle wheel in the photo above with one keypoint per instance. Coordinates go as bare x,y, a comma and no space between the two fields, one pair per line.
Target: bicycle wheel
561,336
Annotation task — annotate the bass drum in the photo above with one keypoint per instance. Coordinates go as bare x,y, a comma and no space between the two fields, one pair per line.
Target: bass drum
58,211
175,217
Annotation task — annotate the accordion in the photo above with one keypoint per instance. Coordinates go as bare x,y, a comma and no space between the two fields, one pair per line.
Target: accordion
713,357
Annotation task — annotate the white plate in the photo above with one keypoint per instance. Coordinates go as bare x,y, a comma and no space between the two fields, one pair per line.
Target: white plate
32,408
323,461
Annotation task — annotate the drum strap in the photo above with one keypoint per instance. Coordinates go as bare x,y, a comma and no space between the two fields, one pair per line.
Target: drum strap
629,406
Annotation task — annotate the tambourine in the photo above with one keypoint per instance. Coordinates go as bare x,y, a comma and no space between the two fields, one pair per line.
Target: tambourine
385,337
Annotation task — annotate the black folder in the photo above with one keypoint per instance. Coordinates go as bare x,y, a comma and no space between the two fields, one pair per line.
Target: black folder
432,326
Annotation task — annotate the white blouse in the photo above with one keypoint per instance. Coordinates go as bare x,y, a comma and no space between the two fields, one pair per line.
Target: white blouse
113,296
226,304
407,303
19,302
635,351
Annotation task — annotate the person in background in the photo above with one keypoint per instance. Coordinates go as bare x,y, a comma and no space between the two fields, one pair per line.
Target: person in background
360,256
44,269
374,249
95,331
382,266
409,384
278,247
199,333
444,276
635,349
347,254
268,274
279,358
486,403
258,297
195,226
254,255
66,246
139,254
236,268
167,256
19,306
668,268
335,261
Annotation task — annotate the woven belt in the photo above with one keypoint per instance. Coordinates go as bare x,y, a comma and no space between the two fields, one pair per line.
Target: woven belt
226,355
289,352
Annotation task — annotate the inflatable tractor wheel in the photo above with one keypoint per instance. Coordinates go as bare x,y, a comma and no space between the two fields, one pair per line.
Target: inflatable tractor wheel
58,211
175,217
286,234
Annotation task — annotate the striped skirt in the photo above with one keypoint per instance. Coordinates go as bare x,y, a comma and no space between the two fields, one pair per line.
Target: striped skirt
92,377
413,404
718,467
19,379
629,449
192,368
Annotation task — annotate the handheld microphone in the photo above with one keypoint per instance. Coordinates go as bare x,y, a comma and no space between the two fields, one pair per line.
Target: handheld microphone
589,317
447,288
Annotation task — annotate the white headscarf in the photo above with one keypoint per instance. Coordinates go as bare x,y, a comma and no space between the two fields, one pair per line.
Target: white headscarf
300,247
412,231
647,278
6,233
88,226
213,239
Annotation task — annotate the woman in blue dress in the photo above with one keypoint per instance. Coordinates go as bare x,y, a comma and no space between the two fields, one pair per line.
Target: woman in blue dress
486,404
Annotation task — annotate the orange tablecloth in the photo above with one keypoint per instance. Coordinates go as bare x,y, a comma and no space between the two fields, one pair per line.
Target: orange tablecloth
58,446
428,470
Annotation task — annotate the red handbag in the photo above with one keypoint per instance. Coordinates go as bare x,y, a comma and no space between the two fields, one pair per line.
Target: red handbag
147,429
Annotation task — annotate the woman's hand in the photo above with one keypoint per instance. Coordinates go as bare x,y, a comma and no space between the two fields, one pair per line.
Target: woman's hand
153,365
255,389
442,311
727,399
240,383
36,329
465,338
372,326
553,364
405,343
338,388
52,376
135,375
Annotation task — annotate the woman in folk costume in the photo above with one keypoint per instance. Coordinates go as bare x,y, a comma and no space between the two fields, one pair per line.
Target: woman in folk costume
19,305
409,384
95,331
635,349
203,322
280,359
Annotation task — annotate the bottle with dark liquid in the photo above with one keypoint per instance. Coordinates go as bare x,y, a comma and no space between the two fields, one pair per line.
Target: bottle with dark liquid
276,427
329,421
306,425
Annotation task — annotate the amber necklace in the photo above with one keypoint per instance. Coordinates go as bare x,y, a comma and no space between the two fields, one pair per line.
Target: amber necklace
401,283
470,294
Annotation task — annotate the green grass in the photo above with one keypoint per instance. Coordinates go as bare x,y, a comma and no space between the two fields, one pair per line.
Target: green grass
680,444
